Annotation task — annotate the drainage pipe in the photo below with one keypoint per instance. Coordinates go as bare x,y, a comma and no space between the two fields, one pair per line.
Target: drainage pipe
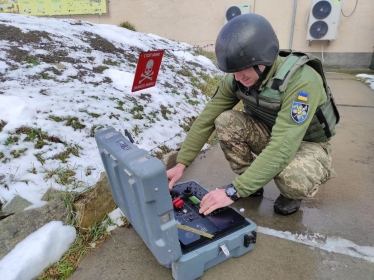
293,23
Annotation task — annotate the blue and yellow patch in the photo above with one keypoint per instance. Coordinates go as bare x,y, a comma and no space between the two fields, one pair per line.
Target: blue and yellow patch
299,111
303,96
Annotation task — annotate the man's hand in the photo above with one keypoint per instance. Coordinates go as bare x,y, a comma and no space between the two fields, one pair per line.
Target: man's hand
214,200
175,173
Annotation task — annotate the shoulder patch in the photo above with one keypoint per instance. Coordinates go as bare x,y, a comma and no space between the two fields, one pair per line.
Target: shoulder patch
299,111
303,96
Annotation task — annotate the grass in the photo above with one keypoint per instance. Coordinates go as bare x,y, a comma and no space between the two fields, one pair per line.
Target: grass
96,234
11,140
63,156
164,150
208,54
32,133
33,170
164,112
35,135
353,73
137,111
93,129
94,115
185,72
111,62
136,129
188,121
364,80
40,158
18,153
66,266
127,25
62,175
45,76
210,84
74,123
350,71
100,69
120,104
31,60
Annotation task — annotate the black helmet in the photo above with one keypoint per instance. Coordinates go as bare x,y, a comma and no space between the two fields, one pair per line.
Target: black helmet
245,41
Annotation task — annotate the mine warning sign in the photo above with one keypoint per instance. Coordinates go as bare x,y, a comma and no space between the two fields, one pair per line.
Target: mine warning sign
147,70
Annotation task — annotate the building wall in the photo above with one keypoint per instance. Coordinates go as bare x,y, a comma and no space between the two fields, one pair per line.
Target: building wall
198,22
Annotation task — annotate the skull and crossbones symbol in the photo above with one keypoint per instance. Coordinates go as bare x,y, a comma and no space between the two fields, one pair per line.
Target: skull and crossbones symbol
148,72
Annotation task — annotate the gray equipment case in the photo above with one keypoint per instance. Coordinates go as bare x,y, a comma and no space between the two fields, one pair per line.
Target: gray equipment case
139,187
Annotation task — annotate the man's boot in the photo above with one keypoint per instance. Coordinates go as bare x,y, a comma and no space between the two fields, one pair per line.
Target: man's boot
286,206
258,193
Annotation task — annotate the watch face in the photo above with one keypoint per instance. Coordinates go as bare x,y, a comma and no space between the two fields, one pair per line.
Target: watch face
230,191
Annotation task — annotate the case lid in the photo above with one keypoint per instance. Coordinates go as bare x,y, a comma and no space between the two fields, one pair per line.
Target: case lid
139,187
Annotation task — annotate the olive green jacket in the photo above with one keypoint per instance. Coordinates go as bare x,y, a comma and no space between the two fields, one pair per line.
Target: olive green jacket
286,134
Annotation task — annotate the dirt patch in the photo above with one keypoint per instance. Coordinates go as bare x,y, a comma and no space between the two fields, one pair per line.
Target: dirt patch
168,85
2,124
130,57
80,75
14,34
196,66
146,97
99,43
20,56
53,70
17,54
57,57
172,57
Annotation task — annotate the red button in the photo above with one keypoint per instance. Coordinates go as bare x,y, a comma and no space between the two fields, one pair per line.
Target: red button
178,202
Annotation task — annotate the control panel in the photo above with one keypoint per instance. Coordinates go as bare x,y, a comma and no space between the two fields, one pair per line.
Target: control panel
186,198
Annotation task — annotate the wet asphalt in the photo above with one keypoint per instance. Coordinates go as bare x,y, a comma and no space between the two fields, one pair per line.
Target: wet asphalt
337,223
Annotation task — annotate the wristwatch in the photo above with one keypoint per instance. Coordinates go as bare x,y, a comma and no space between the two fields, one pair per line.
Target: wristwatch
231,192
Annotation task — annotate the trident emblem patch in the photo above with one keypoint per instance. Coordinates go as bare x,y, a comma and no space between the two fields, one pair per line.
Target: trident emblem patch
299,111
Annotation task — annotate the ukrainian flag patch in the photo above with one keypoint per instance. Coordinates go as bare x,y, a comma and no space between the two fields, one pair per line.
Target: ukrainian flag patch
303,96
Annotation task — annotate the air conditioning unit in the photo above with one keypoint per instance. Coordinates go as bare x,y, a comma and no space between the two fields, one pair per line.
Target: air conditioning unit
323,20
236,10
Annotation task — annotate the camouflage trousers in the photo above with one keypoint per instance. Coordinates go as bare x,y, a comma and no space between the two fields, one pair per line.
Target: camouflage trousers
242,138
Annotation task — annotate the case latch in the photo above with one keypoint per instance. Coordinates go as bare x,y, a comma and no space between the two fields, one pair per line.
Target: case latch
250,239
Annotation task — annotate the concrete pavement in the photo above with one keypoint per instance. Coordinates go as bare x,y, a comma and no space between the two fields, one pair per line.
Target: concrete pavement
331,237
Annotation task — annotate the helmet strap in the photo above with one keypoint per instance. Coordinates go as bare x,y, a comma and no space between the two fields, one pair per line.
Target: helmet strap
261,75
258,71
246,90
254,89
254,93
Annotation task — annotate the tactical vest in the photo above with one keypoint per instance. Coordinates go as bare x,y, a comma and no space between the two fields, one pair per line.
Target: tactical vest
322,126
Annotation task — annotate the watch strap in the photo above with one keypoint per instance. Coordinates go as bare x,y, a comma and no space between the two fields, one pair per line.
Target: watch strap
234,196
